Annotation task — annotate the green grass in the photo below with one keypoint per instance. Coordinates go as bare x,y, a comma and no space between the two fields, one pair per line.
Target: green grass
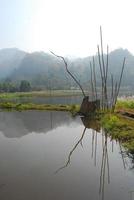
120,128
46,93
30,106
125,104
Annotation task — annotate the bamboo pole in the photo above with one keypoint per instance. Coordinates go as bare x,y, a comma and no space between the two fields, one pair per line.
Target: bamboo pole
104,71
112,91
118,87
92,84
102,78
94,72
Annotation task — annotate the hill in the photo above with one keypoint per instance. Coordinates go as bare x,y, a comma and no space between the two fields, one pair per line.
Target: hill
10,59
45,70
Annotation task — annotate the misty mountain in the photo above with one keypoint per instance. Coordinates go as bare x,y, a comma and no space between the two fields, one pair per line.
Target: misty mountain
40,69
45,70
10,59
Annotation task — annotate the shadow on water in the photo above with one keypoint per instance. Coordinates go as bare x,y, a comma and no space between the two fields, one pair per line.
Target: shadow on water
96,128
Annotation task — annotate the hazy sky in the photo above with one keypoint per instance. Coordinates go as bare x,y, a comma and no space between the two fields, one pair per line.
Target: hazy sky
67,27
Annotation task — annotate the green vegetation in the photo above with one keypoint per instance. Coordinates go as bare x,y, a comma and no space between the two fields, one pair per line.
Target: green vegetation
46,93
24,86
125,104
30,106
120,128
8,86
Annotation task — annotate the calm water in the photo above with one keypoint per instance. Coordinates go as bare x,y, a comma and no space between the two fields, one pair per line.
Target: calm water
47,100
35,147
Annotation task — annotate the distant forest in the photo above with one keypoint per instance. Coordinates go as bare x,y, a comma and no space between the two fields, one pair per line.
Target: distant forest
39,70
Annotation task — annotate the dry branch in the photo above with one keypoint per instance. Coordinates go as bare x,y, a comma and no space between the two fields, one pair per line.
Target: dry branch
66,66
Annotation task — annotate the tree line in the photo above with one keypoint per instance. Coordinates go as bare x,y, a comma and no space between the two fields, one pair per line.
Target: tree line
23,86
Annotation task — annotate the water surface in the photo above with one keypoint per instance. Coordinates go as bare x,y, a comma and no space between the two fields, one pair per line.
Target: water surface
34,145
46,100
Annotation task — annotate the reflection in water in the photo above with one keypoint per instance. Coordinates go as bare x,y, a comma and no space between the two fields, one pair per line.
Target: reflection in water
71,152
104,164
91,123
105,159
131,194
28,163
22,123
95,126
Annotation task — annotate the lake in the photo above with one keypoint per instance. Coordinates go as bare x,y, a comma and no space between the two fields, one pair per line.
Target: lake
52,156
46,100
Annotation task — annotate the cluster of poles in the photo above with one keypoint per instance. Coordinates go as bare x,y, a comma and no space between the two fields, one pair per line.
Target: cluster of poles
108,96
107,100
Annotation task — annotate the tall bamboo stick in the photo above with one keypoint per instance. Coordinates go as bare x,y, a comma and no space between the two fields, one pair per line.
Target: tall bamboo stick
94,72
118,87
102,78
92,84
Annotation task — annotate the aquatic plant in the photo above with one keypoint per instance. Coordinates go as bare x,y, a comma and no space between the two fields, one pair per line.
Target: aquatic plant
30,106
119,128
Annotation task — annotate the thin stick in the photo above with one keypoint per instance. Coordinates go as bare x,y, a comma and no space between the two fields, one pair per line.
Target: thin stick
106,77
94,78
112,90
103,68
104,71
92,84
114,97
66,65
102,54
102,79
118,89
107,61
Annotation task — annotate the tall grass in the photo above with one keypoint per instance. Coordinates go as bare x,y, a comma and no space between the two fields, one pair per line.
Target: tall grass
122,104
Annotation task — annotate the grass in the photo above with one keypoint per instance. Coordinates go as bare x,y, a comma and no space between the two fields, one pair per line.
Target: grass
125,105
46,93
120,128
30,106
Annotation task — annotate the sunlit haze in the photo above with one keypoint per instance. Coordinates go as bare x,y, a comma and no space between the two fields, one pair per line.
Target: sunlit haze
67,27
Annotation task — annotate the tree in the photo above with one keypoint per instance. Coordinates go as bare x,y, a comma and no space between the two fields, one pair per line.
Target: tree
25,86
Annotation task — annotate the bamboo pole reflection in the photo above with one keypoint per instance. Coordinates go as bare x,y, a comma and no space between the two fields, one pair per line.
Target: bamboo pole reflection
131,194
104,164
51,120
95,148
94,145
105,141
112,146
71,152
123,155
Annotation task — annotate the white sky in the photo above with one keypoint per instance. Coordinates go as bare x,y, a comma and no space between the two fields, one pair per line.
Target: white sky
67,27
